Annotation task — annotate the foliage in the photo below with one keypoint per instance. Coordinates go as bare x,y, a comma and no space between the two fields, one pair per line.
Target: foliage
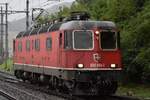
136,90
99,9
9,65
137,39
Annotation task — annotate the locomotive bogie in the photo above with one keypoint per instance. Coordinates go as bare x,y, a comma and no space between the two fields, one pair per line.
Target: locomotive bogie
83,83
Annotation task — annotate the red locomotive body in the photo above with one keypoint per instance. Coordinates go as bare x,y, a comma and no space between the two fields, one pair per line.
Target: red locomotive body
82,57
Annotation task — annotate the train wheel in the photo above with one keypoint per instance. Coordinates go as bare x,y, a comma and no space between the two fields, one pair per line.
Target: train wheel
114,87
107,87
56,84
51,86
44,80
53,83
26,75
34,78
69,87
19,74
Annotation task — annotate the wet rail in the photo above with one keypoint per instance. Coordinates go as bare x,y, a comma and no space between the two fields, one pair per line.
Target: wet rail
124,97
21,90
113,97
6,95
8,77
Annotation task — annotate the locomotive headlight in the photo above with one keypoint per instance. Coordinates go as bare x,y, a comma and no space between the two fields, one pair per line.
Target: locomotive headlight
80,65
97,32
113,65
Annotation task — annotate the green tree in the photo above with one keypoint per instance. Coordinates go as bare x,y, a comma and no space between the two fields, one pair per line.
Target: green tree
137,39
99,9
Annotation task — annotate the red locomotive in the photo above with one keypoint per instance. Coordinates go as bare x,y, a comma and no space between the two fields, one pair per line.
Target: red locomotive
77,55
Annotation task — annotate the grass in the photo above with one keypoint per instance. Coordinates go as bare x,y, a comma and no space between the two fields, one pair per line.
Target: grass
9,65
136,90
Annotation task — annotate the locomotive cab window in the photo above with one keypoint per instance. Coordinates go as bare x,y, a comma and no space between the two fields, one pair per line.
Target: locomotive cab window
108,40
48,43
67,40
83,40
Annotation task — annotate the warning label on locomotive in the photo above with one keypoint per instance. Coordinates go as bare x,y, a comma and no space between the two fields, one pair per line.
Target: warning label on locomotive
95,65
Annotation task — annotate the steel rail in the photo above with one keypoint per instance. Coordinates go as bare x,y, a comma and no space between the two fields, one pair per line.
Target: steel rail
124,97
5,76
6,95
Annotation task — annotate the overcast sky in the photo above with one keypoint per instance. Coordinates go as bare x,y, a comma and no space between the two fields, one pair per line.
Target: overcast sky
21,5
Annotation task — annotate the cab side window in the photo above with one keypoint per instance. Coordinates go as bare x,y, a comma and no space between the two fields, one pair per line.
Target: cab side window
67,40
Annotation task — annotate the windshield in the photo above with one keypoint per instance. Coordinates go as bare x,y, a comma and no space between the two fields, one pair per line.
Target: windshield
83,40
108,40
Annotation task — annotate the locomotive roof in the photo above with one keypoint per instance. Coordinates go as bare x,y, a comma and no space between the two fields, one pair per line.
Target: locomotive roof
87,25
70,25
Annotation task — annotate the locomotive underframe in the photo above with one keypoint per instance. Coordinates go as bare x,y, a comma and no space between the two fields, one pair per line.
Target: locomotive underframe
77,82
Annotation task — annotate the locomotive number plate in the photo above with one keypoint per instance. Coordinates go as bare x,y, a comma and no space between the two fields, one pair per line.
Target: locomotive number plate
94,65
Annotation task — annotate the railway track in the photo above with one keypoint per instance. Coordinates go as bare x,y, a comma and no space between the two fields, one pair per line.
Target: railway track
22,91
8,77
113,97
124,97
6,95
25,89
